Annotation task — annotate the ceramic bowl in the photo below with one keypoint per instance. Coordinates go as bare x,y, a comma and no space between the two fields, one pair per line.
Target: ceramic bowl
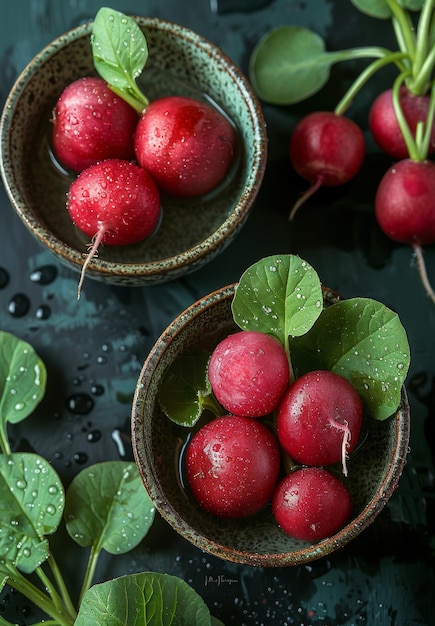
191,233
373,474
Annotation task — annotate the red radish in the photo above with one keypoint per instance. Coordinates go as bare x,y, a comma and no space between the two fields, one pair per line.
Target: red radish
385,127
249,372
232,466
326,149
114,202
311,504
91,123
319,419
187,145
405,202
405,208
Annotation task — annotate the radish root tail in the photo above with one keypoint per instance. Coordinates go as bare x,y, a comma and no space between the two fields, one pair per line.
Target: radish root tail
305,196
92,252
422,271
344,428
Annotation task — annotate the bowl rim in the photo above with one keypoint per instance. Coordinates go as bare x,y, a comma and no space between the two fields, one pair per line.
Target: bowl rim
195,254
304,555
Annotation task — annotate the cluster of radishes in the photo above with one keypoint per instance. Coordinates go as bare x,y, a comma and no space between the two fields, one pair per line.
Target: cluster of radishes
127,150
238,463
328,148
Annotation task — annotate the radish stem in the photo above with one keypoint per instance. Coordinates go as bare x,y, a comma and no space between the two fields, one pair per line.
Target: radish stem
92,251
346,439
418,251
310,191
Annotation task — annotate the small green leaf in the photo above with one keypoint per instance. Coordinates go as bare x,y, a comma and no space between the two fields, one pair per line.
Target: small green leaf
120,53
107,507
22,379
365,342
289,64
280,295
144,599
31,506
185,388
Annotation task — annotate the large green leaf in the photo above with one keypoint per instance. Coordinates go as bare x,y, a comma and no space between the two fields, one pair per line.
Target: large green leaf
364,341
280,295
107,507
143,599
31,506
22,379
289,64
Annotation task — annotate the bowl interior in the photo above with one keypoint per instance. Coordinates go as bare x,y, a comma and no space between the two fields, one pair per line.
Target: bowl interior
180,62
257,540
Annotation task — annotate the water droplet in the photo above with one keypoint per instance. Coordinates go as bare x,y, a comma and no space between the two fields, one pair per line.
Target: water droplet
51,509
19,406
43,312
80,404
80,458
44,275
97,390
94,436
21,484
19,305
53,490
4,278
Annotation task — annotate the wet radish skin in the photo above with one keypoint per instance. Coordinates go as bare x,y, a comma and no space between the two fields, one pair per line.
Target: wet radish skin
327,145
311,504
249,373
91,123
405,202
232,466
117,195
313,415
187,145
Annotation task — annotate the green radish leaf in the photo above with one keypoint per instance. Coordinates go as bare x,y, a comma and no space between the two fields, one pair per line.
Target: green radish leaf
143,599
289,64
365,342
32,501
22,379
120,53
280,295
380,8
184,391
107,507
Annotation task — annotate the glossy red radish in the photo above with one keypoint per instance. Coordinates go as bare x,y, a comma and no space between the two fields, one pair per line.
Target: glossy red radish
319,419
232,466
90,124
405,208
188,146
386,129
327,150
249,373
114,202
311,504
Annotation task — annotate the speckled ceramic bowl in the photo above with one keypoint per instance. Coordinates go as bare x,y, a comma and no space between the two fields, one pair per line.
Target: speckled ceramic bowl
191,233
373,473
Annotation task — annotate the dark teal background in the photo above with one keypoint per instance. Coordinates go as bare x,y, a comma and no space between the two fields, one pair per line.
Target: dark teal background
94,348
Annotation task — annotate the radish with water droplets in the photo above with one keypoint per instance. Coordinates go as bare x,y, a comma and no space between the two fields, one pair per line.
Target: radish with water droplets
311,504
232,466
188,146
327,150
90,124
319,419
114,202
